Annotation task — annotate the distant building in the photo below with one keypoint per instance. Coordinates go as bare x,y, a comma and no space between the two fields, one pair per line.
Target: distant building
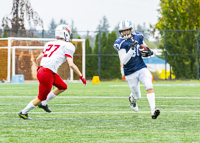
157,67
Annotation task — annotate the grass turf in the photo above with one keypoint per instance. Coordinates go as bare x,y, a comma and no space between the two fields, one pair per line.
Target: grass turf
101,113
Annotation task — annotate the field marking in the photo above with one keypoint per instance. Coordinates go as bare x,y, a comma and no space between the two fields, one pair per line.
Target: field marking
105,105
66,104
66,119
101,112
14,87
98,97
161,85
94,131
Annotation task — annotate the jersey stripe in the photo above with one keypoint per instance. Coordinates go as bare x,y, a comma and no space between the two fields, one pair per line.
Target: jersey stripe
68,55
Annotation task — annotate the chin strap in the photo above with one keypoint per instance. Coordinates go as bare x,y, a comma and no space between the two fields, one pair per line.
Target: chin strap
65,37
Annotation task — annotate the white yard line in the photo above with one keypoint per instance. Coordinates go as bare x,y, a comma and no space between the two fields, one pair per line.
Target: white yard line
102,112
161,85
98,97
186,106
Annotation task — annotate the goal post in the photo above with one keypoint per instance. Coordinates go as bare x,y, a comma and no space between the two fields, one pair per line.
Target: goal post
25,50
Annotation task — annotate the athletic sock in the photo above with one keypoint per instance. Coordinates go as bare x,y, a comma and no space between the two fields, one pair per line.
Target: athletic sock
28,108
50,96
151,99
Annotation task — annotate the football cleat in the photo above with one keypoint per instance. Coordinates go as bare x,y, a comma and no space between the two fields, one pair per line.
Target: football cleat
155,113
133,103
23,116
46,108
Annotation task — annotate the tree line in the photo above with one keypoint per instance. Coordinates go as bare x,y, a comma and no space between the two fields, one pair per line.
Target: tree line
110,63
178,24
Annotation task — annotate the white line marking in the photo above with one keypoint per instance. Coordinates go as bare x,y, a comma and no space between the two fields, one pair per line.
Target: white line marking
101,112
65,104
14,87
98,97
161,85
105,105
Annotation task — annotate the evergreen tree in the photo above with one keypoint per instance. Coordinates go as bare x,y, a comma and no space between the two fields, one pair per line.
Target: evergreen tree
95,51
89,60
103,25
52,27
116,29
143,31
112,67
63,22
103,51
5,34
74,31
95,58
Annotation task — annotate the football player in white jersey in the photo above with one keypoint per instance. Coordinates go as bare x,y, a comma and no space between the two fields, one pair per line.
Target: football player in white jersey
54,54
135,69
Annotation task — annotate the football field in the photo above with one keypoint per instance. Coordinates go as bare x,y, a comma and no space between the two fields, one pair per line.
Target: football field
101,113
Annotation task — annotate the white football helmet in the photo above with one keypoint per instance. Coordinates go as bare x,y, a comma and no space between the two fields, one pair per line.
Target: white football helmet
125,25
63,31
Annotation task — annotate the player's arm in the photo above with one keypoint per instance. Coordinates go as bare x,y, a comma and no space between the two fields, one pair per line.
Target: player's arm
76,70
38,60
125,57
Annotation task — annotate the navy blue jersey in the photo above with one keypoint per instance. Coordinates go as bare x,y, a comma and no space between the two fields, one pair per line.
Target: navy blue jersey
136,62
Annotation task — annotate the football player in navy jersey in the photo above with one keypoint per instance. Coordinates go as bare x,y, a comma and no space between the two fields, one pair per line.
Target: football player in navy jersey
135,70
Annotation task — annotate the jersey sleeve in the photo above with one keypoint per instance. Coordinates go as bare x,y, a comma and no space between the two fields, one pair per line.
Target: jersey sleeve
69,50
118,44
45,47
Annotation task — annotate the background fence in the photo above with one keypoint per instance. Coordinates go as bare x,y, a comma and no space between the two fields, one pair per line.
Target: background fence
178,57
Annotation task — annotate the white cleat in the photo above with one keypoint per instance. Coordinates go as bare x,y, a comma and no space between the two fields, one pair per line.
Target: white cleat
155,113
133,103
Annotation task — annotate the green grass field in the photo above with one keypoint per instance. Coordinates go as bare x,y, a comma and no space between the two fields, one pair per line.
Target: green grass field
101,113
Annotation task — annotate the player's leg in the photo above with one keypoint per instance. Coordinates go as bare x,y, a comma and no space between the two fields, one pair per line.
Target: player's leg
133,83
46,82
24,113
146,78
61,87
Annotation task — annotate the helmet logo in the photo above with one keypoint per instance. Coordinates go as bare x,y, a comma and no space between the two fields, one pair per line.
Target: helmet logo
123,24
66,29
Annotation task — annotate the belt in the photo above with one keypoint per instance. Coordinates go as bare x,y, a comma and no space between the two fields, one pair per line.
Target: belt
48,70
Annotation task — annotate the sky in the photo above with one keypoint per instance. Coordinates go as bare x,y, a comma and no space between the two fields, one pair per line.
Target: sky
87,14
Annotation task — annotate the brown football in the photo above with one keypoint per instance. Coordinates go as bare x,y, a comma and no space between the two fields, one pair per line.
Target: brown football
143,48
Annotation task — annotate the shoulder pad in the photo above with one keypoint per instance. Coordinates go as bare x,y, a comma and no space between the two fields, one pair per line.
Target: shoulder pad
118,43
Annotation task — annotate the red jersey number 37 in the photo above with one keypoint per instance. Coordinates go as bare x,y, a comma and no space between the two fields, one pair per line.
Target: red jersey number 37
49,51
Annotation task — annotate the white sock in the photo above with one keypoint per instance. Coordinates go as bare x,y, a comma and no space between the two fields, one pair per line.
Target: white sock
151,99
50,96
28,108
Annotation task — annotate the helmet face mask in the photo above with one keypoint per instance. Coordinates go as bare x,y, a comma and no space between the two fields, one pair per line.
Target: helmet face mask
63,32
126,25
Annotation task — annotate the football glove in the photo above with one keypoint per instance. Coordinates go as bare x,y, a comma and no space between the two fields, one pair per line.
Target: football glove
83,80
147,53
134,45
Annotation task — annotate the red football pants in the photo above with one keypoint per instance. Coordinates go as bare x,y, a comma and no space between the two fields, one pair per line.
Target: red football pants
46,80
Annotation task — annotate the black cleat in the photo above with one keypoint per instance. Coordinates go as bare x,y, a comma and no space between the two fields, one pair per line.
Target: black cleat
23,116
156,113
133,104
46,108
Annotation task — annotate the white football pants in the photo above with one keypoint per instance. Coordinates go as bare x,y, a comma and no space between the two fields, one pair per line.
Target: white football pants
134,79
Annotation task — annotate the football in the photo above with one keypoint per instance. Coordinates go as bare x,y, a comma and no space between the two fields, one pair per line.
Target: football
143,48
